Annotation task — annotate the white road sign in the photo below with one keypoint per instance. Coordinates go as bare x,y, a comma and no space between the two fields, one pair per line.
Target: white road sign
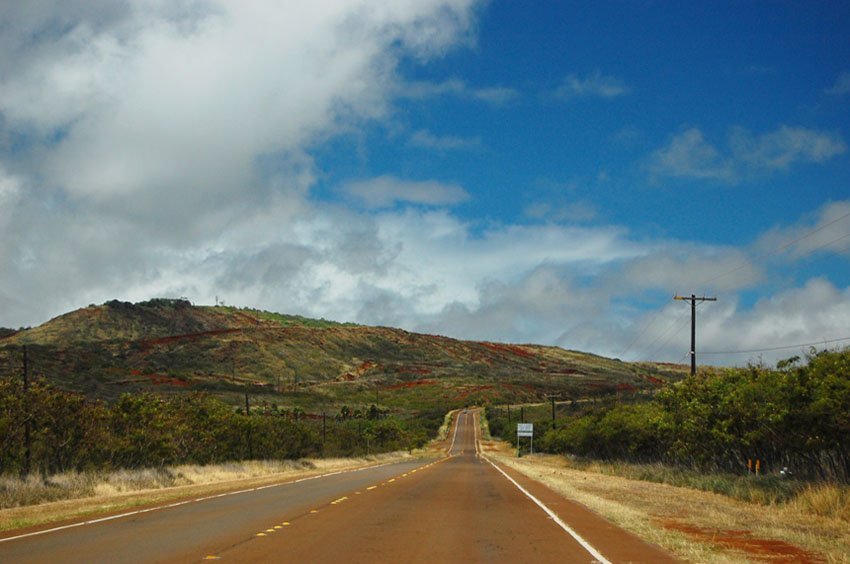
525,429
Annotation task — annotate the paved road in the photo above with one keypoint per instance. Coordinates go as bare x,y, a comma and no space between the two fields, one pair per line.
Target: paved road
457,508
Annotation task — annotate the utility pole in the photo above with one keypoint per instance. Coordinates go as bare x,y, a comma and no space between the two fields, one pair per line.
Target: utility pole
552,397
27,423
693,299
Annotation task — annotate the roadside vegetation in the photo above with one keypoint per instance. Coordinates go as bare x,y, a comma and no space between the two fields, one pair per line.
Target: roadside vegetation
696,526
35,500
795,418
47,432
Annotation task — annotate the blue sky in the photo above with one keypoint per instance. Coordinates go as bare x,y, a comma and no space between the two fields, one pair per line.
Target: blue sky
540,172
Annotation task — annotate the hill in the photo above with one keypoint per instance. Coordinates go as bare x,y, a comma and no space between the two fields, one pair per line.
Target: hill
171,346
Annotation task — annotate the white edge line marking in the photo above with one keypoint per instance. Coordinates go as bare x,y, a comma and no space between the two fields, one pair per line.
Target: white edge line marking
586,545
457,424
140,511
476,431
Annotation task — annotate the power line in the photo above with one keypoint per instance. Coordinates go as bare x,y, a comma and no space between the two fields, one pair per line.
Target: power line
781,348
741,266
746,263
635,340
677,324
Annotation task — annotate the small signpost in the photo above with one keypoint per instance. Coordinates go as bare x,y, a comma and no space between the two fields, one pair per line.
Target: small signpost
524,430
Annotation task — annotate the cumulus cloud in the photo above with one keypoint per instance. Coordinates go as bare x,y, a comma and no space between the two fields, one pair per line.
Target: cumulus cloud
153,134
427,140
826,231
580,211
594,85
684,268
166,149
815,312
690,155
777,150
420,90
841,86
385,191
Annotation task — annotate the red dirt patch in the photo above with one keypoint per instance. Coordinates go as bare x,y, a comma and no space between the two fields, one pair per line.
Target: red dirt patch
654,380
364,367
155,379
148,343
767,550
513,349
411,384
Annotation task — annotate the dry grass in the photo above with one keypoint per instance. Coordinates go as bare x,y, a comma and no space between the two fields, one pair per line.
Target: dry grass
824,500
35,501
699,526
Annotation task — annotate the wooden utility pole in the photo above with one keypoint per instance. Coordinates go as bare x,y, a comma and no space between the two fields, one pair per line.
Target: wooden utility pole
693,299
27,423
552,397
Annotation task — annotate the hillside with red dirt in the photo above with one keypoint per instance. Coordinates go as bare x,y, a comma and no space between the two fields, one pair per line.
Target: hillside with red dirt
172,346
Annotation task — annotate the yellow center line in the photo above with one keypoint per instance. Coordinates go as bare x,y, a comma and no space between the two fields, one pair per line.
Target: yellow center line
371,488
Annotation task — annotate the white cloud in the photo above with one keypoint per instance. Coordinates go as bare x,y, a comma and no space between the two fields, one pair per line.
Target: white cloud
154,131
495,95
685,268
841,86
826,231
385,191
573,212
420,90
594,85
170,154
777,150
427,140
690,155
815,312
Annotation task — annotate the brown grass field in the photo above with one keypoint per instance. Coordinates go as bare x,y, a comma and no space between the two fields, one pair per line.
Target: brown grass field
125,489
699,526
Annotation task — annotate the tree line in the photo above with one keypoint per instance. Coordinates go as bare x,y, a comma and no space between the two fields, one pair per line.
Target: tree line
48,430
794,416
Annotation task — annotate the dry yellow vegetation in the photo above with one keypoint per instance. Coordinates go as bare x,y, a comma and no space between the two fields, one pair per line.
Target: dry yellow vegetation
124,489
700,526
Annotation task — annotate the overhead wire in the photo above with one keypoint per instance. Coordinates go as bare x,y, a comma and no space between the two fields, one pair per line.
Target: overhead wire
744,264
821,342
683,322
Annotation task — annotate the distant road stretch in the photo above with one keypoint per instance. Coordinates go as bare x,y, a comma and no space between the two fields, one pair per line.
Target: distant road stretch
461,508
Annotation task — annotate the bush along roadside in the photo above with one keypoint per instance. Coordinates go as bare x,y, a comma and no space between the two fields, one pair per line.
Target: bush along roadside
45,430
793,420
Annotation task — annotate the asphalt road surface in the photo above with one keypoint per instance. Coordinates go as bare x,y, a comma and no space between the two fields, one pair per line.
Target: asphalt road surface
460,508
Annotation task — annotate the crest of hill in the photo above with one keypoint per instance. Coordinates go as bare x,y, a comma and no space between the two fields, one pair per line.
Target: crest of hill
171,346
124,321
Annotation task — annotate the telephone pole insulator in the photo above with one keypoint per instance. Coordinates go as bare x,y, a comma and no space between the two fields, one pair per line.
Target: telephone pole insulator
694,299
